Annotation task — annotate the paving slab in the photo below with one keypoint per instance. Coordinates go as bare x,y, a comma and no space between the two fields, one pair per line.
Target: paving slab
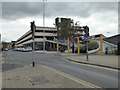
37,77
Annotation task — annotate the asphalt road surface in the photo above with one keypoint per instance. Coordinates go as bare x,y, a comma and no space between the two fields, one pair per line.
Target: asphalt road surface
97,76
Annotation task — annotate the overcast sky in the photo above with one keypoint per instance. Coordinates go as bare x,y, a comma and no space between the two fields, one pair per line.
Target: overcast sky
101,17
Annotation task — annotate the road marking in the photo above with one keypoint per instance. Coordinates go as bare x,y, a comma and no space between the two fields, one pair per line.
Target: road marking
94,66
85,83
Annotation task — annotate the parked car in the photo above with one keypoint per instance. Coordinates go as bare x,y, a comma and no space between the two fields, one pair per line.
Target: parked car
6,49
29,48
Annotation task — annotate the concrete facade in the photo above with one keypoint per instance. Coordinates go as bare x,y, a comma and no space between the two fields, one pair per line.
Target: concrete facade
50,34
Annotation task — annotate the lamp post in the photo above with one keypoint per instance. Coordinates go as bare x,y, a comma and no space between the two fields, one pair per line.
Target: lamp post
44,24
108,33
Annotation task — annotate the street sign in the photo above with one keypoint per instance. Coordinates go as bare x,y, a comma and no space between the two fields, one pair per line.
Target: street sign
62,41
87,38
86,35
72,40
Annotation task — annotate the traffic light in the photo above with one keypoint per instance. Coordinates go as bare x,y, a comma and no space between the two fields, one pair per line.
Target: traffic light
56,21
33,27
86,29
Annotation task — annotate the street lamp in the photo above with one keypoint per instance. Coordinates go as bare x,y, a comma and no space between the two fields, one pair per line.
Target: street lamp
44,24
108,33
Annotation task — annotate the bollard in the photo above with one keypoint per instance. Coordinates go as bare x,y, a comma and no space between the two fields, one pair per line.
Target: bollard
68,45
78,40
33,64
101,46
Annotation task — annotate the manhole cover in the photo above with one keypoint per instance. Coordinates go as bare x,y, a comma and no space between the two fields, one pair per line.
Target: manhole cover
38,80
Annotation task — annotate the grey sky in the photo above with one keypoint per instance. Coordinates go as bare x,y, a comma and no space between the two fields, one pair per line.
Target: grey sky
101,17
16,10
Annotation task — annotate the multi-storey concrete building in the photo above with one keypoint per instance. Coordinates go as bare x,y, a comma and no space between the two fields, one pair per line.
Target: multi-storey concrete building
50,34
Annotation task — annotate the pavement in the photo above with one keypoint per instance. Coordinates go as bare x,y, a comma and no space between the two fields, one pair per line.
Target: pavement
39,76
109,61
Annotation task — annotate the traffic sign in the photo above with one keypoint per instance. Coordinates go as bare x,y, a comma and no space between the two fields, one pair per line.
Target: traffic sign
72,40
62,41
86,35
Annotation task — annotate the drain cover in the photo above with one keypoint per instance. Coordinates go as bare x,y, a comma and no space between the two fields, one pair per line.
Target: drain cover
38,80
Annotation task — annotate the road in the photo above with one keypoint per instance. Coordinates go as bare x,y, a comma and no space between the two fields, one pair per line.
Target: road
98,76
